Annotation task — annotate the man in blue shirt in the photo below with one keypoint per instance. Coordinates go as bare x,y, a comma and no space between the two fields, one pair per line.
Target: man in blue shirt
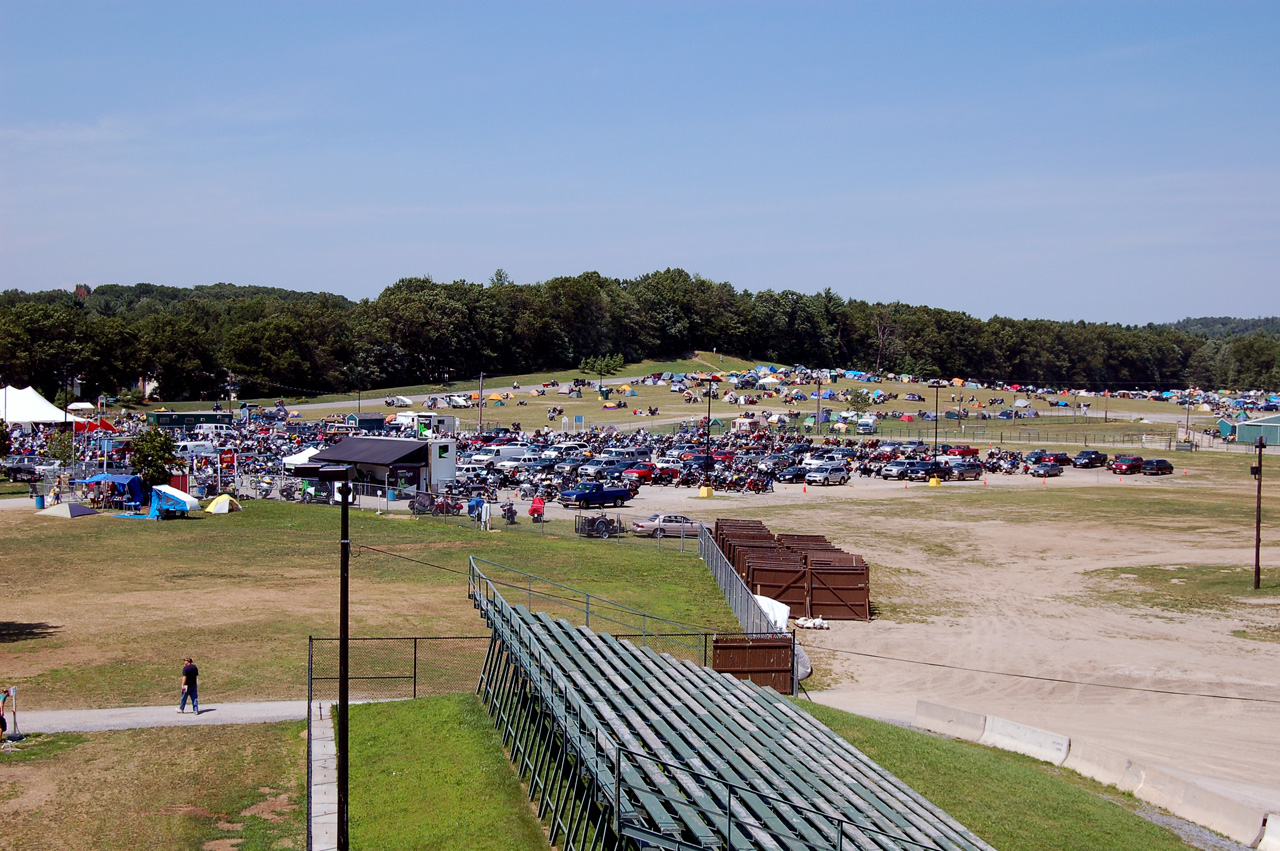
190,675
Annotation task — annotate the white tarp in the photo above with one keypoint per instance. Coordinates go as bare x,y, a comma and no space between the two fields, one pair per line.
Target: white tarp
777,612
28,406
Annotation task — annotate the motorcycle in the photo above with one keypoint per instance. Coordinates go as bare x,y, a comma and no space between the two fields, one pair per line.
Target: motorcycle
446,505
509,512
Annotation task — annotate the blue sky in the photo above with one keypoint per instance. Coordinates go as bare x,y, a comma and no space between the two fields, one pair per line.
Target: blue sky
1099,161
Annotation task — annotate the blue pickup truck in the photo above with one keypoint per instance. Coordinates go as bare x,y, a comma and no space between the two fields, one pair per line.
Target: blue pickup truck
594,494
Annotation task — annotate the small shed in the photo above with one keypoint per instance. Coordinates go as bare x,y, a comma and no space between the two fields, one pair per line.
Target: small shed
367,421
1268,428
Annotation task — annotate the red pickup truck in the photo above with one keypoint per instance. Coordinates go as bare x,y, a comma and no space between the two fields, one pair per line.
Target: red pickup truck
963,451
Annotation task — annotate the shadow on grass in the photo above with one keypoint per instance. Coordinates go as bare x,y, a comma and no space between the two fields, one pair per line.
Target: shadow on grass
12,632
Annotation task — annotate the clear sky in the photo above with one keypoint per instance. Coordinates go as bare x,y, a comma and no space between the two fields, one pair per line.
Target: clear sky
1102,161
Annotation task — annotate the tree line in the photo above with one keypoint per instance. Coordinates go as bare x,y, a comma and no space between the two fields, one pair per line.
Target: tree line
275,342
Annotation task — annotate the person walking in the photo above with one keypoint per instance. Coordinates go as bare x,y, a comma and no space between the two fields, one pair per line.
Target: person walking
190,675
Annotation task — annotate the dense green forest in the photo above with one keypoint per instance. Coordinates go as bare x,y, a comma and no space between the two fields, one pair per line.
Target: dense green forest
1218,327
282,342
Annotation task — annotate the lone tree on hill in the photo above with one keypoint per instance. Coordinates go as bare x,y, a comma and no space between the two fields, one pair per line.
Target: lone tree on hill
601,365
153,455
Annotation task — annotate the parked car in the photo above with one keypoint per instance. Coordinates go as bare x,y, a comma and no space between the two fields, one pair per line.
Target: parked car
641,471
792,474
1062,459
963,451
827,474
895,470
1157,467
1046,470
966,470
590,494
1089,458
662,525
1126,465
571,464
775,462
604,466
923,471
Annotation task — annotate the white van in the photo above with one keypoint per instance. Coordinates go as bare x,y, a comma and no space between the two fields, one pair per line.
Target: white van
868,425
493,454
195,447
565,450
212,430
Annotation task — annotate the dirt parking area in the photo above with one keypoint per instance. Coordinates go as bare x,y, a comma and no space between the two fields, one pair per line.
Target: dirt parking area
1014,598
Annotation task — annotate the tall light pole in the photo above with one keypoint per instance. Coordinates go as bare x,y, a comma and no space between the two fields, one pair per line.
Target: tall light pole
937,388
1260,445
341,473
706,462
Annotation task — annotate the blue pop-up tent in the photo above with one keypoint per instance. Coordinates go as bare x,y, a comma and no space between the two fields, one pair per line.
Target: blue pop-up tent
166,501
129,486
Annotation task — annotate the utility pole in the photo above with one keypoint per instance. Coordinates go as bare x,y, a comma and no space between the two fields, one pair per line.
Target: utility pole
1260,445
817,414
480,407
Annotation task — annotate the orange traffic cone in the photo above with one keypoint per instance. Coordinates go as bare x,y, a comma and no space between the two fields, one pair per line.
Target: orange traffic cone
805,489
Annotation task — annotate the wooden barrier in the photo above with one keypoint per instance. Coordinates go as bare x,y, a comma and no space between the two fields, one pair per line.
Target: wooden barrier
807,572
764,661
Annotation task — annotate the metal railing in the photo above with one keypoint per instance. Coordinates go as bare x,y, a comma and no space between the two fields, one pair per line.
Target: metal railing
391,669
743,603
487,581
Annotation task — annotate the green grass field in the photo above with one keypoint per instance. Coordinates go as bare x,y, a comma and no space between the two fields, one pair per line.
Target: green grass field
109,604
168,787
431,774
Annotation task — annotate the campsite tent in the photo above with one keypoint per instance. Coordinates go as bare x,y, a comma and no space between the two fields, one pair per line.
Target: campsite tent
907,418
166,501
1022,403
223,504
28,406
67,509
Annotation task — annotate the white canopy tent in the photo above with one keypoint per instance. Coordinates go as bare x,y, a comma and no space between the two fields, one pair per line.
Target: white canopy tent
28,406
300,458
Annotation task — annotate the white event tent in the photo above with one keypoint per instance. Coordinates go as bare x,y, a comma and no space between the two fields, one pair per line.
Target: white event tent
28,406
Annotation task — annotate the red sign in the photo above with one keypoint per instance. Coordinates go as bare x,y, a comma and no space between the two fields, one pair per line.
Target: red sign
227,457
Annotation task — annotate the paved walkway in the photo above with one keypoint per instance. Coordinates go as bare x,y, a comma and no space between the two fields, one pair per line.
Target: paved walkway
131,717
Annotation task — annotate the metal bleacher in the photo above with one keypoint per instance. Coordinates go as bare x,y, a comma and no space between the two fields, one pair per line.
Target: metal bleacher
626,748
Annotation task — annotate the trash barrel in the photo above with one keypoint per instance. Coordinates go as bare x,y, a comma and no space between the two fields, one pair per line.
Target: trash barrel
39,502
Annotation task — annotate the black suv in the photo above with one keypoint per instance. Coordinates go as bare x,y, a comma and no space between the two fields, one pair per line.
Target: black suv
923,471
1156,467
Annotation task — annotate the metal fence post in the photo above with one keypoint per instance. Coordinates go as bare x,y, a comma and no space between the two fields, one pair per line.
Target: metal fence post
415,667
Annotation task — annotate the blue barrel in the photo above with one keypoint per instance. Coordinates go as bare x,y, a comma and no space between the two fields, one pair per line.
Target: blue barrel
39,502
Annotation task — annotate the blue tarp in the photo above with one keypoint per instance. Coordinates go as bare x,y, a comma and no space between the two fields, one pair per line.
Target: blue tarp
132,485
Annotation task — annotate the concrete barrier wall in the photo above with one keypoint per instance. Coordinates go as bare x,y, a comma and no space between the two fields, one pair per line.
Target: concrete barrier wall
950,721
1097,762
1019,738
1230,818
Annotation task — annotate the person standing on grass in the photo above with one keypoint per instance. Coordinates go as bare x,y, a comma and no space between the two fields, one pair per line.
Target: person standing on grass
190,674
